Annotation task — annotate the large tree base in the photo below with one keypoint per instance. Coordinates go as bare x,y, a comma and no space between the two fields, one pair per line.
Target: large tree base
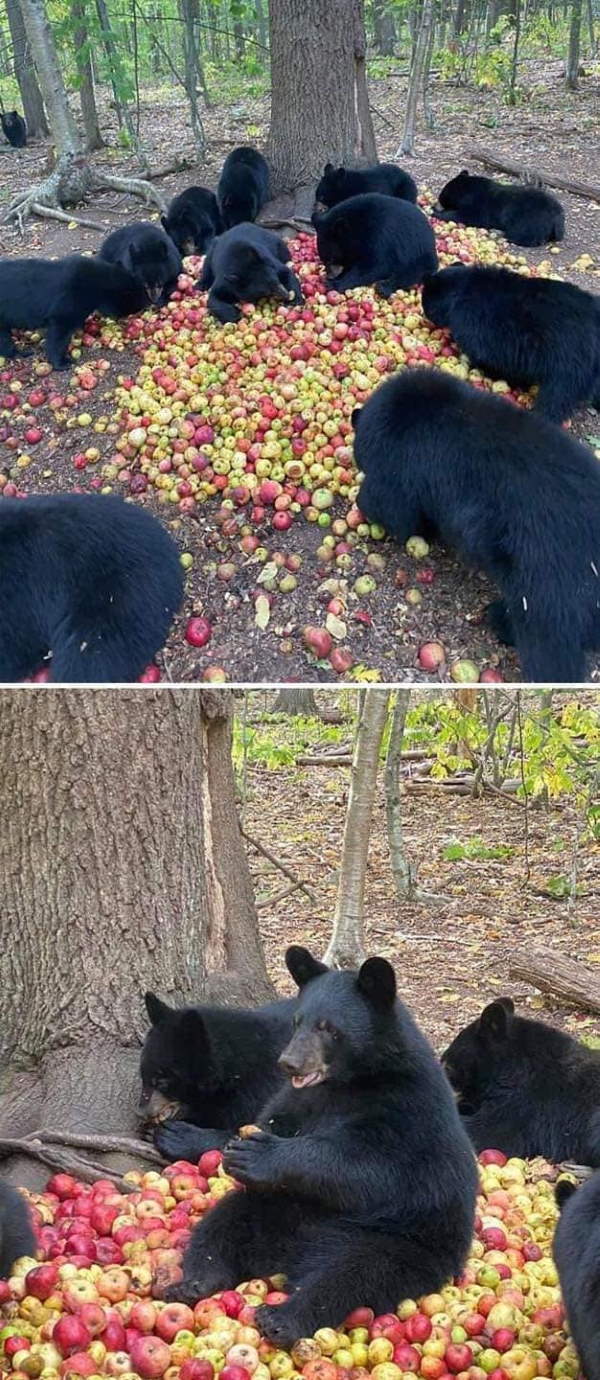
73,181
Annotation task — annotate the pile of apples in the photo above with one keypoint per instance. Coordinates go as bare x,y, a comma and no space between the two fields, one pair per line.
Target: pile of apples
93,1307
259,413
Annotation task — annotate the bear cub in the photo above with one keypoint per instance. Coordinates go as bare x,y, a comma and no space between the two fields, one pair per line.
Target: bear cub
243,187
375,239
92,581
14,128
511,493
147,252
17,1236
212,1068
192,220
576,1249
526,330
524,215
525,1088
361,1183
338,184
247,264
60,295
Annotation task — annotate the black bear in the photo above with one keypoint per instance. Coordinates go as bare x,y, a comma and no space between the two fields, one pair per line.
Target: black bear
244,265
375,239
148,253
576,1249
338,184
510,492
192,220
14,128
59,294
361,1184
525,1088
89,580
243,187
213,1066
17,1236
524,215
526,330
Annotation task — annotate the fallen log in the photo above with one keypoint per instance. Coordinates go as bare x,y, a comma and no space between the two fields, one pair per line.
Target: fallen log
561,977
532,175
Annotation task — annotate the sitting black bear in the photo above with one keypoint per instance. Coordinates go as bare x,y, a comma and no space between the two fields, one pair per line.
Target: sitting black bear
525,1088
14,128
511,493
375,239
147,252
526,330
192,220
338,184
525,215
243,186
576,1249
244,265
361,1186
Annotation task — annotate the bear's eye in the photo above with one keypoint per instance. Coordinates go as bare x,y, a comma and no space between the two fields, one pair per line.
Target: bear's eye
327,1028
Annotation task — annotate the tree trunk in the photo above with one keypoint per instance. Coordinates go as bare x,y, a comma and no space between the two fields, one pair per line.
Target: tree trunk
417,75
384,28
261,23
33,105
572,72
346,947
401,869
514,66
41,43
239,39
324,116
115,67
551,972
193,72
123,870
297,700
81,43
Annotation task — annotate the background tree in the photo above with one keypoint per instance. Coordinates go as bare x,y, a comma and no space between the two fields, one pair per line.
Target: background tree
83,58
122,869
33,105
321,112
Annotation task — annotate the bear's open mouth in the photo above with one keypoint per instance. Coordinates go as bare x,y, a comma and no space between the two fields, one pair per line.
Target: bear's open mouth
308,1080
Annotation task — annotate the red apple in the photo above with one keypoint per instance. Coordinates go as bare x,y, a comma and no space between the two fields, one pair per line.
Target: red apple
42,1281
70,1334
198,632
150,1357
176,1317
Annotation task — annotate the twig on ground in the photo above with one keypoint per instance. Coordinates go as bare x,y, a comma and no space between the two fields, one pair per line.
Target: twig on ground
277,862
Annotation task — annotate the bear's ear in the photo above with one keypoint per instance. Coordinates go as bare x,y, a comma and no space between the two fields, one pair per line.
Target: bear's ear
157,1009
329,168
355,416
302,966
192,1029
464,172
341,172
495,1019
377,981
165,224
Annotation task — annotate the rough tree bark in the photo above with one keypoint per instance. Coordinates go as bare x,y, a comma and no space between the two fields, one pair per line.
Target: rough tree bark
401,868
572,69
297,700
31,96
346,947
562,977
123,869
73,178
85,72
416,81
324,116
194,74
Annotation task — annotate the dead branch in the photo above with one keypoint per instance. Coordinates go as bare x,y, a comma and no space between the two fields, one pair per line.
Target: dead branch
277,862
297,223
562,977
125,1145
279,896
532,175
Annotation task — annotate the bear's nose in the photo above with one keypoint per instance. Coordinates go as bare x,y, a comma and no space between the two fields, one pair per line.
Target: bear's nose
291,1063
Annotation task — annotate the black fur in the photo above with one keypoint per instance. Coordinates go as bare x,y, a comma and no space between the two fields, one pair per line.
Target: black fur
91,579
576,1250
14,128
375,239
525,215
148,253
338,184
526,1088
59,294
243,187
17,1236
511,493
217,1064
192,220
362,1185
244,265
526,330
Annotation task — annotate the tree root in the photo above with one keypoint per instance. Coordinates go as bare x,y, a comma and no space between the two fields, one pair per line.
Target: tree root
53,213
125,1145
73,181
47,1147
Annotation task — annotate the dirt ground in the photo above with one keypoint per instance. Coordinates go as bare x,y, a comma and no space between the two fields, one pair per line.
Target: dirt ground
550,129
451,955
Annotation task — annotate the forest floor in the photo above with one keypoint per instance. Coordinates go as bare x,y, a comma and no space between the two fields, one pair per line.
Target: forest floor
450,956
78,411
